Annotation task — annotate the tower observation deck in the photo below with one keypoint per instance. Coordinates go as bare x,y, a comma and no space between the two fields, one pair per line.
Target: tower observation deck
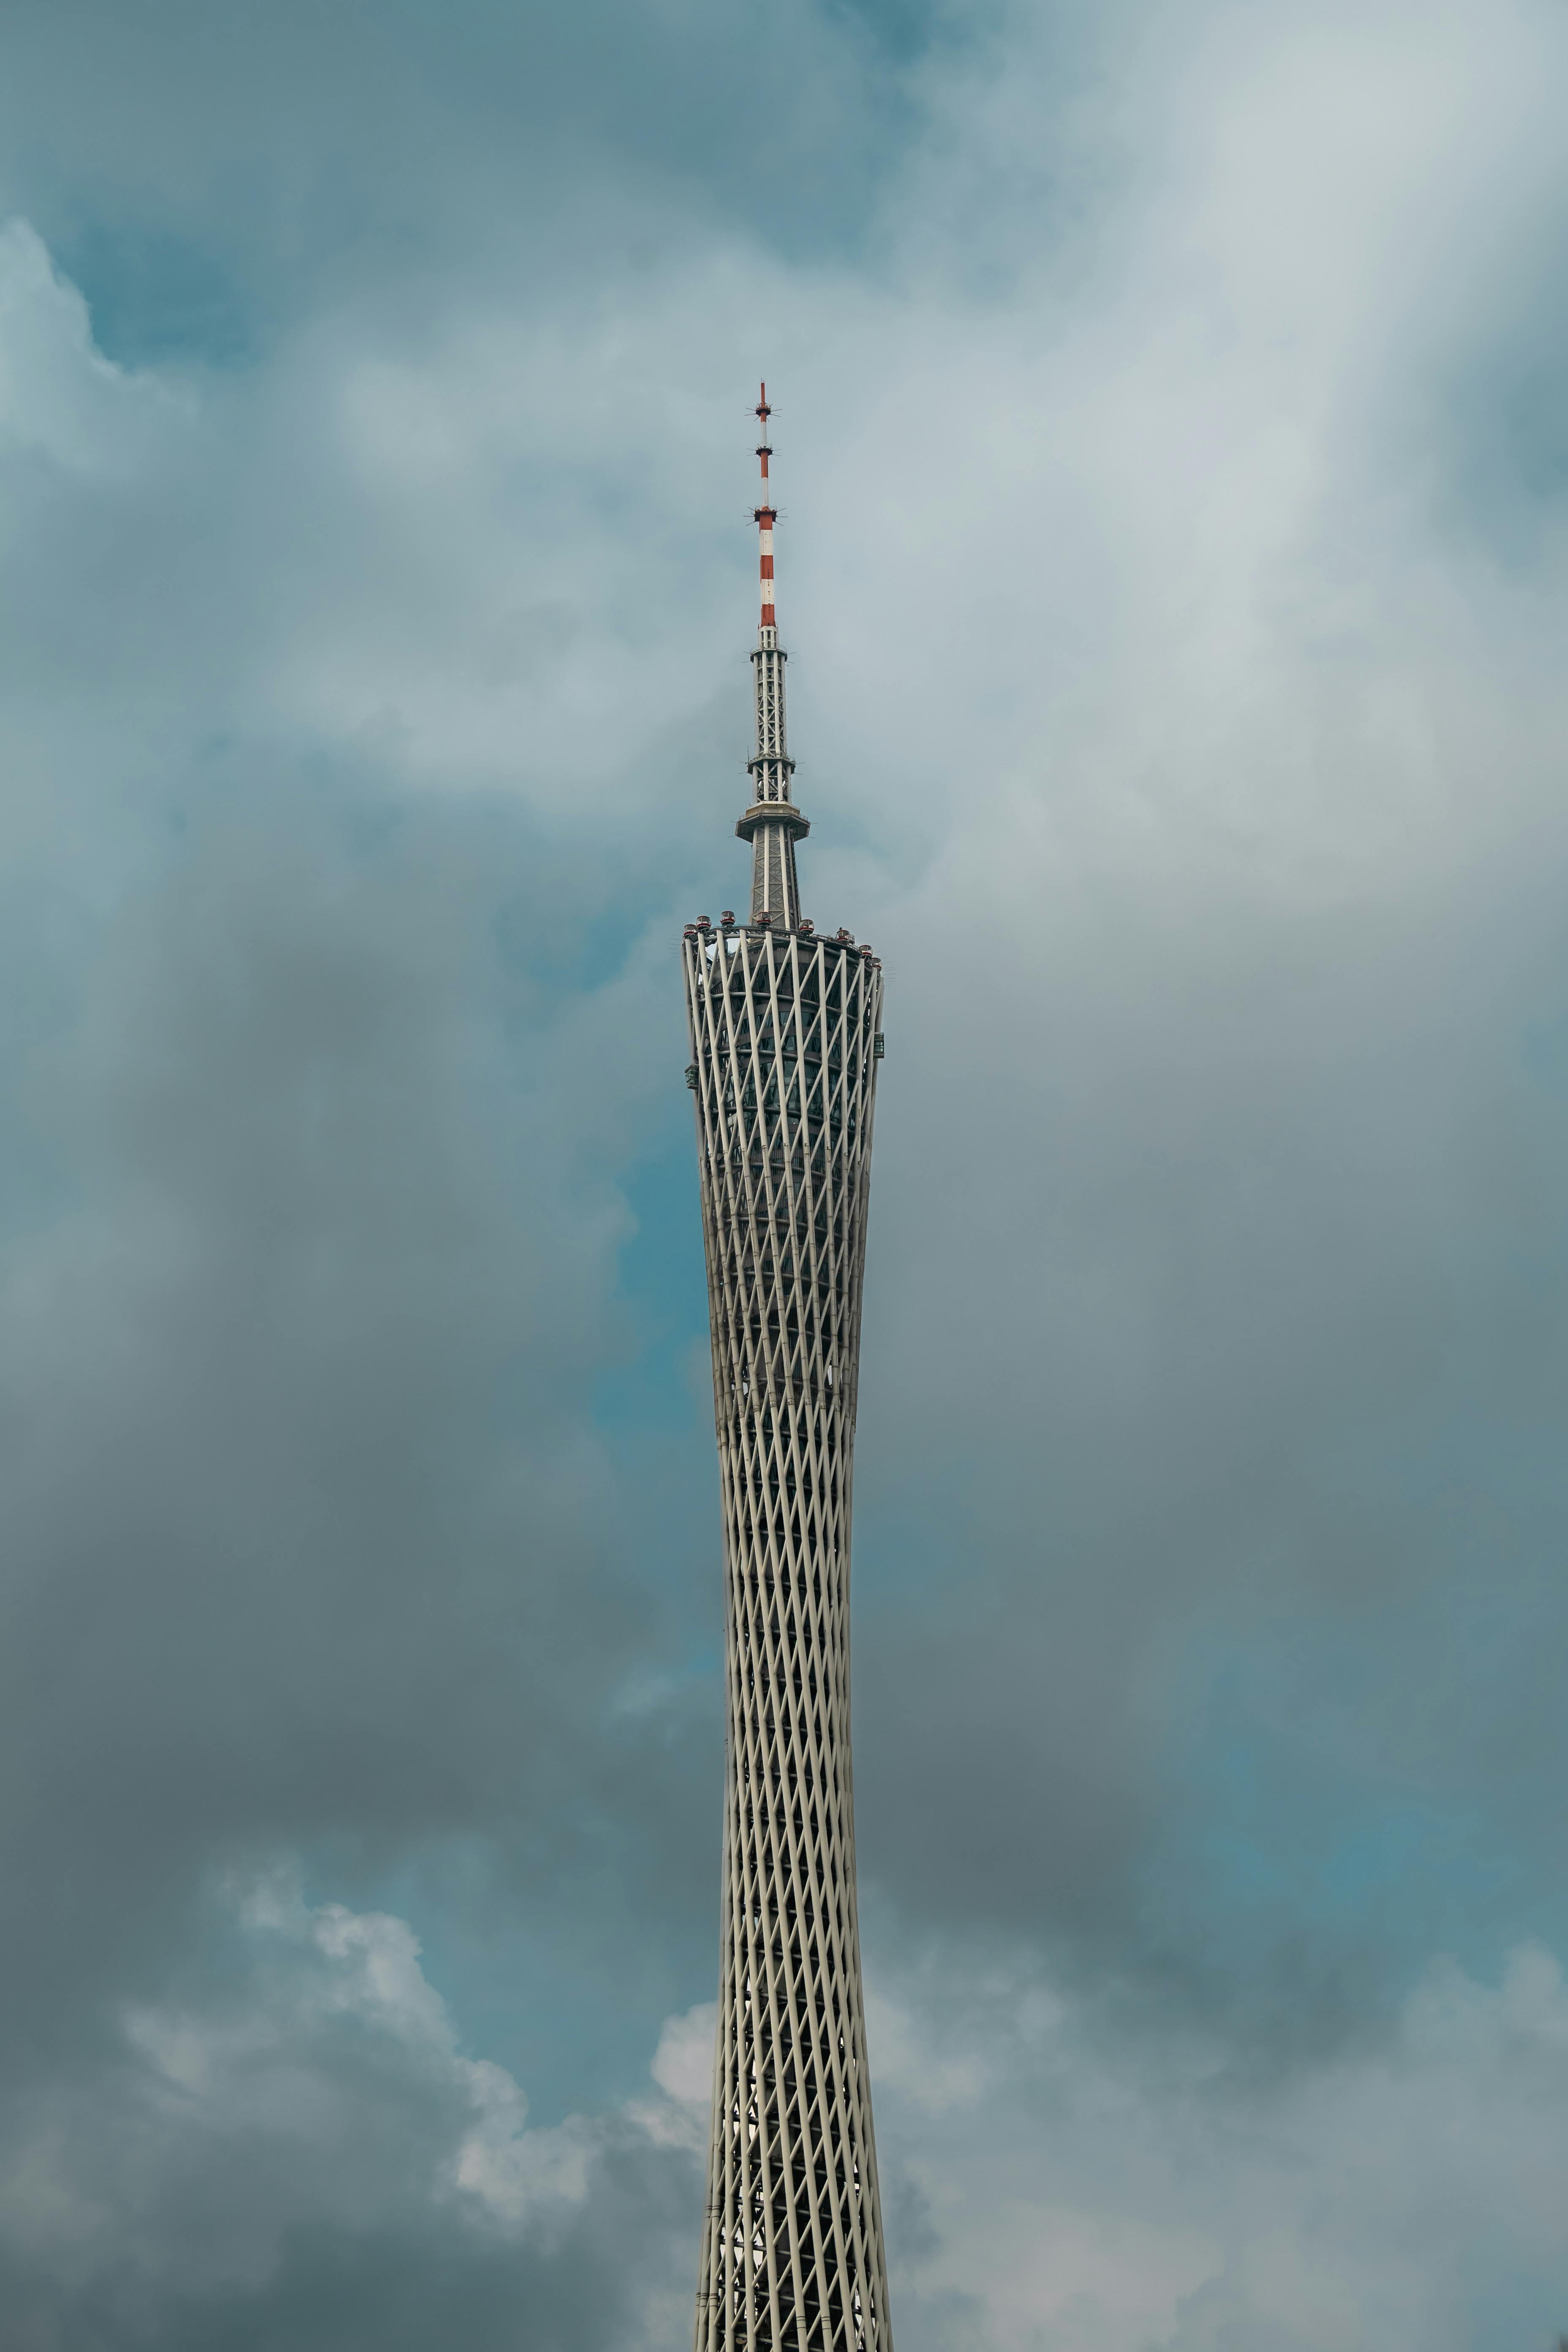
785,1031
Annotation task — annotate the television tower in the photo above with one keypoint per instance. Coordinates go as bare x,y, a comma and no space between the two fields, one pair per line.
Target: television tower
785,1038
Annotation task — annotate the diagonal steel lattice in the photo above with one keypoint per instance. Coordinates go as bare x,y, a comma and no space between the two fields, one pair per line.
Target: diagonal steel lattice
786,1039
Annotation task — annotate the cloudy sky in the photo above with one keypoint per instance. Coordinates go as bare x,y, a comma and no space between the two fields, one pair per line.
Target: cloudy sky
1173,434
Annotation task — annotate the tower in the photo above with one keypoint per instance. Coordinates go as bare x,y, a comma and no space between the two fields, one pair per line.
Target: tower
785,1038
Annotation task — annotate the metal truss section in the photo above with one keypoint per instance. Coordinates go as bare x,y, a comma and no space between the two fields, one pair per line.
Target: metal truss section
772,824
786,1039
769,663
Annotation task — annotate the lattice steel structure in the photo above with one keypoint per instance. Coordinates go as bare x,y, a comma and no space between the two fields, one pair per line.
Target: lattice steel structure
786,1040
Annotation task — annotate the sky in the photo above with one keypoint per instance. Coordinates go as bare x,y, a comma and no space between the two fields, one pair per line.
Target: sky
1172,431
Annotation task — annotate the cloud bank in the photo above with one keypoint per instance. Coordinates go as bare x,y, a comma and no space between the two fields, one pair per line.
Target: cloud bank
1173,552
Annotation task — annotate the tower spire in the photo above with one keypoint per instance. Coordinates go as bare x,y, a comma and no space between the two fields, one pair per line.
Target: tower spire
764,517
773,824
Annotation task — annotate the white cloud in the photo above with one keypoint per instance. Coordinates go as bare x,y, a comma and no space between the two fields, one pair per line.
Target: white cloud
59,397
322,2085
683,2062
1138,2197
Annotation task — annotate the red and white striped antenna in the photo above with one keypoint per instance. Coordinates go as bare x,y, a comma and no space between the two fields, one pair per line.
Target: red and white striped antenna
765,519
772,824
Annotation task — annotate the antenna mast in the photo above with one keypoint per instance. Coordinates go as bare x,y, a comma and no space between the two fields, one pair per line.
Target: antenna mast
773,824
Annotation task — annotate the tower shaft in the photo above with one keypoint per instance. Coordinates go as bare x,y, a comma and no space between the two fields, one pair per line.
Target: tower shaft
786,1039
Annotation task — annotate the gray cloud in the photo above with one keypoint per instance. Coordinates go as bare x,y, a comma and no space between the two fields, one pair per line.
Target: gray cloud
266,1530
374,707
211,179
